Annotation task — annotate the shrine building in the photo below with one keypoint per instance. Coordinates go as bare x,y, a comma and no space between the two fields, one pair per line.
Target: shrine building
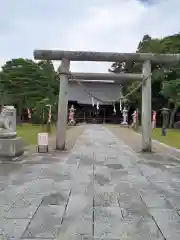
88,109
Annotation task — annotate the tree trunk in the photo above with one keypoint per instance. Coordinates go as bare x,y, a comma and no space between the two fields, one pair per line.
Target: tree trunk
171,123
19,115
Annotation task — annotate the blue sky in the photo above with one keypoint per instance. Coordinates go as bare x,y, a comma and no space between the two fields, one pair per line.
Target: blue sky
100,25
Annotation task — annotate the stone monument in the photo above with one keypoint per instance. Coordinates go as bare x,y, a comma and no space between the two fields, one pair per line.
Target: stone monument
11,146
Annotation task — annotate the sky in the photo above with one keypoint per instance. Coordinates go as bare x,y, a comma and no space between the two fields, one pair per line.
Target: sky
94,25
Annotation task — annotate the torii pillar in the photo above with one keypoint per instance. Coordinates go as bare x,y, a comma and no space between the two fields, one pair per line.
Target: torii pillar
61,124
146,108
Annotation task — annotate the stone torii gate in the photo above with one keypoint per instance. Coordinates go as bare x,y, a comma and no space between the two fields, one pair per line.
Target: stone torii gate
64,72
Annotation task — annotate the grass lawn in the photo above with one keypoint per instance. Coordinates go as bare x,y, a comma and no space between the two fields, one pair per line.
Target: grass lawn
172,138
29,133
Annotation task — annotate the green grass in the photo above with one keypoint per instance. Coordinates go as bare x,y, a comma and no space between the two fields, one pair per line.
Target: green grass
29,133
172,138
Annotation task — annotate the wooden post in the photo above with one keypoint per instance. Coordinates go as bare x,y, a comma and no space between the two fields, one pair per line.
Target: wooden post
104,117
137,119
62,105
146,108
84,116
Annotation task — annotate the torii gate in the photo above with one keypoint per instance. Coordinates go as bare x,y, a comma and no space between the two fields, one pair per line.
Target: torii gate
67,56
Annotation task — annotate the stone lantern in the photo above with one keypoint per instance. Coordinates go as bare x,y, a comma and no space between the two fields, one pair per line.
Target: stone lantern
165,115
125,113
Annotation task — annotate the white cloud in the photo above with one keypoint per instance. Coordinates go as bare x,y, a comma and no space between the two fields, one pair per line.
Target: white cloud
102,25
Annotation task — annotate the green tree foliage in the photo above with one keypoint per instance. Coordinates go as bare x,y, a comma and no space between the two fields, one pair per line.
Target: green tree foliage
165,77
171,90
25,83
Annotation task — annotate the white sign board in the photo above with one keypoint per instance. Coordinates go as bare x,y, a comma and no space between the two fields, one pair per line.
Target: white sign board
42,139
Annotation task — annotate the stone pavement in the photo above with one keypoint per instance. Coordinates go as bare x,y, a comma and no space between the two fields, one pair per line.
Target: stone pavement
99,190
134,140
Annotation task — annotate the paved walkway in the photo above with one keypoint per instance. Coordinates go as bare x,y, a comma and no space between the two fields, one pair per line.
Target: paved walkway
134,140
101,190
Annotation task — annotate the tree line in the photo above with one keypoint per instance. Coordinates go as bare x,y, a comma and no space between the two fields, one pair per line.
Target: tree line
27,84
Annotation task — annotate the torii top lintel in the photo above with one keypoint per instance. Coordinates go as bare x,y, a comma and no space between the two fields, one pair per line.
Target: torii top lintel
104,56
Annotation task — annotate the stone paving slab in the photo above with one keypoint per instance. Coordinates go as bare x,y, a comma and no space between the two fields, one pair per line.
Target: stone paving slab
76,230
101,189
168,221
13,228
21,212
45,223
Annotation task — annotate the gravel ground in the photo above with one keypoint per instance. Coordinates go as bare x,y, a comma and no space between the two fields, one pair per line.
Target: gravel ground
132,139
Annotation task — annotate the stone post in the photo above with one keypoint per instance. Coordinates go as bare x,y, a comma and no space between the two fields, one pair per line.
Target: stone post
62,105
165,115
146,108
